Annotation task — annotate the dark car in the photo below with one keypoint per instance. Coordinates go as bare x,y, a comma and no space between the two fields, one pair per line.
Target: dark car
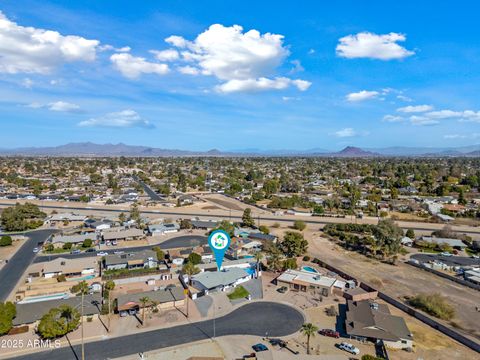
329,333
282,290
278,342
90,250
259,347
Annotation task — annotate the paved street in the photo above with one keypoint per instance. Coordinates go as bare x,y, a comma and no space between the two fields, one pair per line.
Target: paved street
256,318
14,269
448,260
173,243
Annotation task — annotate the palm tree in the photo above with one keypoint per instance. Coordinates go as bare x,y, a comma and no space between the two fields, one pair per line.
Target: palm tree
258,259
144,300
309,330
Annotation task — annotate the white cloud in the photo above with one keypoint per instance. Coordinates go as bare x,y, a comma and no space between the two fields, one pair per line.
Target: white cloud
423,121
132,67
404,98
260,84
462,136
31,50
188,70
27,83
415,108
393,118
59,106
362,95
166,55
63,106
120,119
243,61
297,66
373,46
349,132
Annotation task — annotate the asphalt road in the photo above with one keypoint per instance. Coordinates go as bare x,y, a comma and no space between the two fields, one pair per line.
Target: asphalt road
173,243
308,220
14,269
448,260
153,195
258,318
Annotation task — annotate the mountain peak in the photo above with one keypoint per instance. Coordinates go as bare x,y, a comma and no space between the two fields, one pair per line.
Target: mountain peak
355,152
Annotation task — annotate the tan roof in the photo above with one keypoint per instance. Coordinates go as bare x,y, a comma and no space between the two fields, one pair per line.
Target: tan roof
70,265
122,234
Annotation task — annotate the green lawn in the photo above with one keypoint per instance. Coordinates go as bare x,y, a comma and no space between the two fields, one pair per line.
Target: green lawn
239,293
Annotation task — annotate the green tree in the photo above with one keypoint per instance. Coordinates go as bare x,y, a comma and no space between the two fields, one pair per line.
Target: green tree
264,229
258,258
290,263
135,213
185,224
247,218
144,300
190,269
194,258
87,243
410,234
7,312
67,246
22,217
80,288
160,253
226,226
5,240
309,330
294,244
58,322
299,225
122,218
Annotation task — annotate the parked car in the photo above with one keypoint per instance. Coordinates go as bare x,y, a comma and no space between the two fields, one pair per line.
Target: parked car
475,257
114,243
75,252
278,342
102,253
446,254
90,250
119,252
282,290
132,311
349,348
259,347
123,313
329,333
36,250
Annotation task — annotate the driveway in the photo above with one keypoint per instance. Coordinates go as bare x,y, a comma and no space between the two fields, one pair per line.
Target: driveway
12,272
252,319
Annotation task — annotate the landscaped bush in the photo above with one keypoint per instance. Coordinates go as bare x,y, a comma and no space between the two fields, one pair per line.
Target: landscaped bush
5,240
306,258
433,304
239,293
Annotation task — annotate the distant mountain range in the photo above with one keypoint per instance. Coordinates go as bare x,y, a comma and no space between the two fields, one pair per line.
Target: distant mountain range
86,149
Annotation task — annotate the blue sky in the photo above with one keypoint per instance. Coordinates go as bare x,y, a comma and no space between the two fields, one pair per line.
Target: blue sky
215,74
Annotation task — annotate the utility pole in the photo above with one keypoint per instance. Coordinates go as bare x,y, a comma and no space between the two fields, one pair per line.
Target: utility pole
83,343
109,310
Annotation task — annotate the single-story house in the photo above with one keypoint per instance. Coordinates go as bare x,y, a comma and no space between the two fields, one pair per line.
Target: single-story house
262,237
170,297
219,280
472,275
369,320
161,229
61,217
125,234
306,281
59,241
70,267
204,224
99,224
247,264
141,259
439,241
31,312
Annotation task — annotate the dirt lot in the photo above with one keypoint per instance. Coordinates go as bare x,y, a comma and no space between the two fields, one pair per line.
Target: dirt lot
403,280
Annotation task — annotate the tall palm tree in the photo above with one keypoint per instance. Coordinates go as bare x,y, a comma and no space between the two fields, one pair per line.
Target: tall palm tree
258,259
309,330
144,300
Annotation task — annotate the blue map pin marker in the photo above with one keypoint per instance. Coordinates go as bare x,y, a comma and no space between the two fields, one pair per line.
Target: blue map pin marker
219,242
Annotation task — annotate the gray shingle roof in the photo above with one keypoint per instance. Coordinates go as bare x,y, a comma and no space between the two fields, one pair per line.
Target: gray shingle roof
213,279
31,312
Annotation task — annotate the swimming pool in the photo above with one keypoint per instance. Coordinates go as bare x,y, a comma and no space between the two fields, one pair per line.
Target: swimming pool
309,269
33,299
87,277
